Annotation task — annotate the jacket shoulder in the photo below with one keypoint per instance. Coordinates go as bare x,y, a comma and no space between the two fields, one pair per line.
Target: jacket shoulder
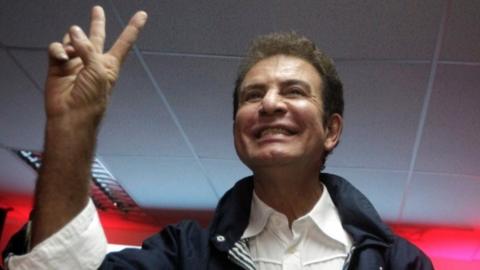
403,255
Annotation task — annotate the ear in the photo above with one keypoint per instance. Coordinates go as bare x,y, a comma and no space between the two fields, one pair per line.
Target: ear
333,131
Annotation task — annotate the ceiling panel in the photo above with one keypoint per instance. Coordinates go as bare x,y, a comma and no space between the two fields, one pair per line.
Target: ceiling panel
225,173
15,176
137,122
382,107
21,107
143,147
451,140
365,29
443,199
38,23
35,63
383,188
135,115
155,182
206,26
199,90
462,32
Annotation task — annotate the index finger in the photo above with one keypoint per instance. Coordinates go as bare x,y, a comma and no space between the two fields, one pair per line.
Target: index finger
129,35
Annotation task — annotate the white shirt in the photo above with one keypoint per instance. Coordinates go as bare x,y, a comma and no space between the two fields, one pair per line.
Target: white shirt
315,241
81,244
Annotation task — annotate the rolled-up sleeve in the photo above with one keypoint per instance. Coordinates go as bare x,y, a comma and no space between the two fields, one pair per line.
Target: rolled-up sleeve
81,244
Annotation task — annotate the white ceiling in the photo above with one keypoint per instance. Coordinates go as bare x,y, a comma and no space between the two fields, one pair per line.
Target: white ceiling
411,71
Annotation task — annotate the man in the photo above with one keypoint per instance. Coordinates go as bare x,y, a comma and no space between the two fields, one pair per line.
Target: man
288,108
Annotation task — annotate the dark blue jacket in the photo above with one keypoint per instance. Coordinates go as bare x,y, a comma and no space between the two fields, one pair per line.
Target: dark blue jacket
189,246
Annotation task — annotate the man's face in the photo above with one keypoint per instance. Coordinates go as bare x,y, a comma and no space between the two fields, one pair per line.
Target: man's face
279,117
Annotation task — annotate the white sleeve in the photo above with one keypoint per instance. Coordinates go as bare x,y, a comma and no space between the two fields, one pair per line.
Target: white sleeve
81,244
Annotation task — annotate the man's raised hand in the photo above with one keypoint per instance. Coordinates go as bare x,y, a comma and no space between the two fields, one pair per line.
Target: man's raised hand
79,81
80,74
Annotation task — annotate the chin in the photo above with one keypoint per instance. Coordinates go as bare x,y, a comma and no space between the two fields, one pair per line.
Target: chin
268,159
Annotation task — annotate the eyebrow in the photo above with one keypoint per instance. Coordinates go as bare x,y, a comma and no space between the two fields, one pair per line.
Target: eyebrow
253,85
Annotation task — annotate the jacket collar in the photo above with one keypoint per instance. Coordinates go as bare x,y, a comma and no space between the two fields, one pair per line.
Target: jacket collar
357,214
232,215
359,217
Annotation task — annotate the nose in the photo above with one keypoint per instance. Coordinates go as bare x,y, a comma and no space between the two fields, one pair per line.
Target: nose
272,103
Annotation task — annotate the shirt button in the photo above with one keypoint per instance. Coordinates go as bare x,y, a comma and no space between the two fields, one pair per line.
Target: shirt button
277,221
291,250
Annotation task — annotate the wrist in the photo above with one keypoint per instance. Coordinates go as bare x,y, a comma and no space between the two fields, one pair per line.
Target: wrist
71,139
73,123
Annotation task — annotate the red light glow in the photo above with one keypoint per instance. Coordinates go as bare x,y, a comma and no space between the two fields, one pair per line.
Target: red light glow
449,248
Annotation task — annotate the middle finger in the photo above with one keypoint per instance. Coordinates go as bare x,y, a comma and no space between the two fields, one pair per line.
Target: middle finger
97,28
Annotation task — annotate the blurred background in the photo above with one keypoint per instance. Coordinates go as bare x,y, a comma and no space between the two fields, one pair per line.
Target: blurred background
411,71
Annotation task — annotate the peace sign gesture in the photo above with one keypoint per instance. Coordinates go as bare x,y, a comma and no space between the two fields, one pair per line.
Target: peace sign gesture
79,81
80,74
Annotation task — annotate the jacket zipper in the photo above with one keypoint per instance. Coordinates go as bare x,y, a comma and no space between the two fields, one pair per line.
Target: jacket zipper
346,265
348,260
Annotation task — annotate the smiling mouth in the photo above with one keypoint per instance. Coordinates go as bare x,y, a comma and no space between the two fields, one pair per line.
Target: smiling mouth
273,131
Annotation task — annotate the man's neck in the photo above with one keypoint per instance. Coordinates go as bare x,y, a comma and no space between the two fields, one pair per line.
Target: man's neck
293,193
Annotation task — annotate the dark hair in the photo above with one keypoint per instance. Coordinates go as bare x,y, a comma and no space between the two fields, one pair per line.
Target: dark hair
293,44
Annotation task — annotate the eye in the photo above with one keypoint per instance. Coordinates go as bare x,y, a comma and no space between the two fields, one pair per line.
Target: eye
252,95
295,91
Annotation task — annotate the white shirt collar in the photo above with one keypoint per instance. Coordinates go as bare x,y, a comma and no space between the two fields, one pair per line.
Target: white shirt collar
324,216
260,212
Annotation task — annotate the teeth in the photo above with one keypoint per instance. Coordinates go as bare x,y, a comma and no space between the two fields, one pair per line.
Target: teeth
274,131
